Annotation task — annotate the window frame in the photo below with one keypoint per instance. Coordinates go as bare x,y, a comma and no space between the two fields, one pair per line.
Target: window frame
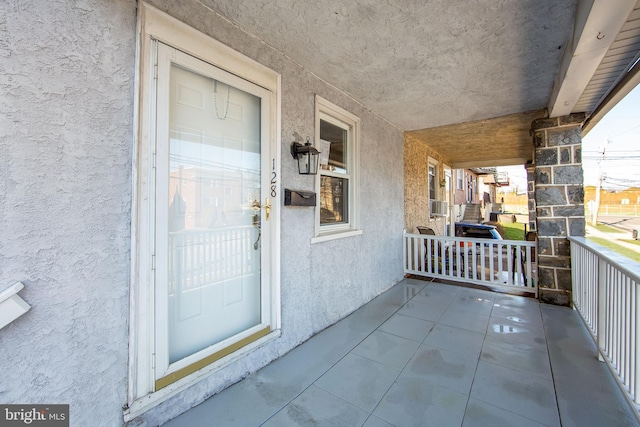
433,163
329,112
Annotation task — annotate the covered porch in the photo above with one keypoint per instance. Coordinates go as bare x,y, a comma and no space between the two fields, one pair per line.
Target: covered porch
418,89
428,353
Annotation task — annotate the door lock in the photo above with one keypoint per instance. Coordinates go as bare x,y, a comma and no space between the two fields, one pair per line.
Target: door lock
255,205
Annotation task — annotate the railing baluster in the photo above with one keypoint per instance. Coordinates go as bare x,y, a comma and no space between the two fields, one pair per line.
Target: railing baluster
500,251
474,260
632,337
479,261
416,252
618,319
483,266
494,252
636,355
602,309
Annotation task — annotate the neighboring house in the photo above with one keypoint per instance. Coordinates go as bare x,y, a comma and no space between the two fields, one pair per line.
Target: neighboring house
146,150
475,194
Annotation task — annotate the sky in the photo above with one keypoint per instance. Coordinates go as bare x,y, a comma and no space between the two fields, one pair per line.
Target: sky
517,178
618,135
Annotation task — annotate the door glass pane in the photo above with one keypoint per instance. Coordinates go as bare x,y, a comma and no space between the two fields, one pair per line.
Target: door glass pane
213,233
333,200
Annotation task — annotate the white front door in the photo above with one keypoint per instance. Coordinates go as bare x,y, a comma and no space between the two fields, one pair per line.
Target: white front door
211,214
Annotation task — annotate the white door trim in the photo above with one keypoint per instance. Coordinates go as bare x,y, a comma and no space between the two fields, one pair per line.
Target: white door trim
154,25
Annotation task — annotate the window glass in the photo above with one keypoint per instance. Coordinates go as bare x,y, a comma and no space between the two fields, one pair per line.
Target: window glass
336,139
337,182
432,182
334,200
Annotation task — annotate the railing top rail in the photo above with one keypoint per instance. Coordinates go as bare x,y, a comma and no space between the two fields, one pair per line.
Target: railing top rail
210,230
622,263
523,243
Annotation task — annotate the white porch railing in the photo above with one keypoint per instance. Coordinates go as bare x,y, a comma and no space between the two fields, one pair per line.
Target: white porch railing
607,297
200,258
505,264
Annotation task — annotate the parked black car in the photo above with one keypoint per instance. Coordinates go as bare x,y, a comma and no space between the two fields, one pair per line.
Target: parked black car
477,231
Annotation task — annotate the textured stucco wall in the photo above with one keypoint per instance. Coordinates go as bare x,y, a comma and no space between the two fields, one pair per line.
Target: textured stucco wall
321,282
67,83
416,184
66,92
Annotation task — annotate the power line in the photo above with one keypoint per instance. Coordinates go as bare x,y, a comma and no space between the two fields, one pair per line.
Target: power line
628,130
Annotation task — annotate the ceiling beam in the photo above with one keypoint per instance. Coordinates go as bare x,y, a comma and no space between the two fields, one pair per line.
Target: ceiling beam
489,163
500,141
596,26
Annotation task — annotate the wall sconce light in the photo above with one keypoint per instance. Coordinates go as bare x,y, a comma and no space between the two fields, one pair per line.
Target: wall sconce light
443,183
307,157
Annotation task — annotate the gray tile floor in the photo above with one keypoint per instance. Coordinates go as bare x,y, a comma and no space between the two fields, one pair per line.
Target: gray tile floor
431,354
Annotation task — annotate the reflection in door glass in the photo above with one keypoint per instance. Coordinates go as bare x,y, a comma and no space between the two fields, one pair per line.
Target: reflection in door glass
214,175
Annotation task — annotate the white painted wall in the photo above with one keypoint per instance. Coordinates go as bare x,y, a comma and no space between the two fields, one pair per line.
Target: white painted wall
66,124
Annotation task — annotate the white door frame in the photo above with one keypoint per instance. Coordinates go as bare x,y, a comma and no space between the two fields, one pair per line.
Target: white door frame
154,26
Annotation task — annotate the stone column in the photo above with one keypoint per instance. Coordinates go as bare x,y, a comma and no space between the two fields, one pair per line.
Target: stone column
559,201
531,195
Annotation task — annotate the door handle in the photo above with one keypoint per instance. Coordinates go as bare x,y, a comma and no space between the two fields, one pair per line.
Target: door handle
267,208
255,205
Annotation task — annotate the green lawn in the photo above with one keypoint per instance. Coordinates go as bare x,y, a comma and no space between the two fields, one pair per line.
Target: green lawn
607,228
511,231
616,248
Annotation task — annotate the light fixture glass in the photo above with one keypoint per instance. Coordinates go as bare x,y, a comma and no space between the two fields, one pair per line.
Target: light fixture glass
307,157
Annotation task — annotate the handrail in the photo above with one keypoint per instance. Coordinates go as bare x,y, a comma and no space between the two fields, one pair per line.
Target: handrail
626,265
606,295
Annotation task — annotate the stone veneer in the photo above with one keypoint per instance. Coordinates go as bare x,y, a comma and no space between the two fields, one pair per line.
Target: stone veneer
531,195
559,201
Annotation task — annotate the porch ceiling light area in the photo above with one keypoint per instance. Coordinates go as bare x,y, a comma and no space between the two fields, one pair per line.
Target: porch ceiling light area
501,141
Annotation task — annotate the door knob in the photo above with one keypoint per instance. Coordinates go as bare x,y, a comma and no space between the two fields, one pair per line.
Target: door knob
255,205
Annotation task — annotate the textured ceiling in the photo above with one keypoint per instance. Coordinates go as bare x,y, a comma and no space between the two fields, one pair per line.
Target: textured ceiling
420,64
500,141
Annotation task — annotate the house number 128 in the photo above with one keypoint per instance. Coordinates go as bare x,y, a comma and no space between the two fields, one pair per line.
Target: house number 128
274,179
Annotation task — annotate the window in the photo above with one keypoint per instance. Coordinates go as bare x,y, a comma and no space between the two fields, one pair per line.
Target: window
432,185
436,206
460,174
337,182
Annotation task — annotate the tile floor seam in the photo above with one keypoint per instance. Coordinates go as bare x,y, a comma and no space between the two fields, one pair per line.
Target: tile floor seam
553,377
375,324
334,364
339,360
342,398
364,357
514,413
475,372
408,360
635,408
480,399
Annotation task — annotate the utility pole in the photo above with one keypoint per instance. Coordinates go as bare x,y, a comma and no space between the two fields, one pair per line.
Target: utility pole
596,205
596,208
